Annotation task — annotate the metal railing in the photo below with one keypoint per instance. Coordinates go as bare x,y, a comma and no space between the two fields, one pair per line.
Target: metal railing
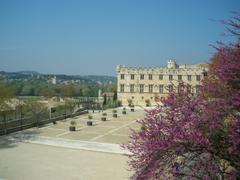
10,126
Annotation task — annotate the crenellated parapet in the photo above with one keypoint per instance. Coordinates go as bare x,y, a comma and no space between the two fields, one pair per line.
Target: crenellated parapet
171,69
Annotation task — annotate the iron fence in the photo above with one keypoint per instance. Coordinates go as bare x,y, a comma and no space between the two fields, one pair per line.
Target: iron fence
14,125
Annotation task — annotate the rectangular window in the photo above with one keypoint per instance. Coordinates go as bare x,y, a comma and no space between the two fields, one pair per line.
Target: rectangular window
179,77
121,87
198,78
150,88
141,76
189,77
160,77
132,76
170,88
150,76
161,88
141,88
131,87
122,76
198,89
170,77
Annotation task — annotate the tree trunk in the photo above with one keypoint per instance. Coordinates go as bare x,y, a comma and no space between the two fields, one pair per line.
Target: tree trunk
21,119
5,123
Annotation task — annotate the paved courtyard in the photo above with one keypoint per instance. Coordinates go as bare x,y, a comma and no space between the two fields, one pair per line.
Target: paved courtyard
114,130
26,161
53,152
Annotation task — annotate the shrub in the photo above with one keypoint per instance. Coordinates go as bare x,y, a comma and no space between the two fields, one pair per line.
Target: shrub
130,102
73,123
147,101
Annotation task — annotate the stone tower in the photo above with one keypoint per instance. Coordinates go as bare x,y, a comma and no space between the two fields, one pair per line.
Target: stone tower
172,64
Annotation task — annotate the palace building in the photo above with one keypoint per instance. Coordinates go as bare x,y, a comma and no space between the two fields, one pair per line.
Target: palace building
143,86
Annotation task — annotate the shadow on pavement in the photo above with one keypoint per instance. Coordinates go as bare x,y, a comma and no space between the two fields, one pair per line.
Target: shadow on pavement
7,142
12,140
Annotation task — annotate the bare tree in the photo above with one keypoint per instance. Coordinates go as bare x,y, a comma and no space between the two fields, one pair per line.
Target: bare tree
37,110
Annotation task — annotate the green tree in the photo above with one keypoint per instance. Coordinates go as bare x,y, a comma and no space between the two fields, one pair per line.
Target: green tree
6,94
67,90
27,90
47,92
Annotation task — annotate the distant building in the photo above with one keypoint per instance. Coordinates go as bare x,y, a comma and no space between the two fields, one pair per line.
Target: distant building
108,97
146,85
54,80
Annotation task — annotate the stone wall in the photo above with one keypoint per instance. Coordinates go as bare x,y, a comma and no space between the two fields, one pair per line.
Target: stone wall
138,82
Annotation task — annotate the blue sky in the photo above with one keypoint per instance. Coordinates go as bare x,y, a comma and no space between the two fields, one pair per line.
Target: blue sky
93,36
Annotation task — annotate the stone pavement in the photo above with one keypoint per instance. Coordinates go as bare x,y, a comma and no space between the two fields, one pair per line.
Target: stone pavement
53,152
102,136
68,143
25,161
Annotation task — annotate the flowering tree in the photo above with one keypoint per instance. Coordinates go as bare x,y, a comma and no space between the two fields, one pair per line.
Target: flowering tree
195,136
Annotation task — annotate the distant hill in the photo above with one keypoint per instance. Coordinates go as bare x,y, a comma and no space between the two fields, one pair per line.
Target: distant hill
31,75
28,72
102,79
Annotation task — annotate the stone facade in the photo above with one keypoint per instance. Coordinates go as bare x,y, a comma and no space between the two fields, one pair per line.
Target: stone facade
143,86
